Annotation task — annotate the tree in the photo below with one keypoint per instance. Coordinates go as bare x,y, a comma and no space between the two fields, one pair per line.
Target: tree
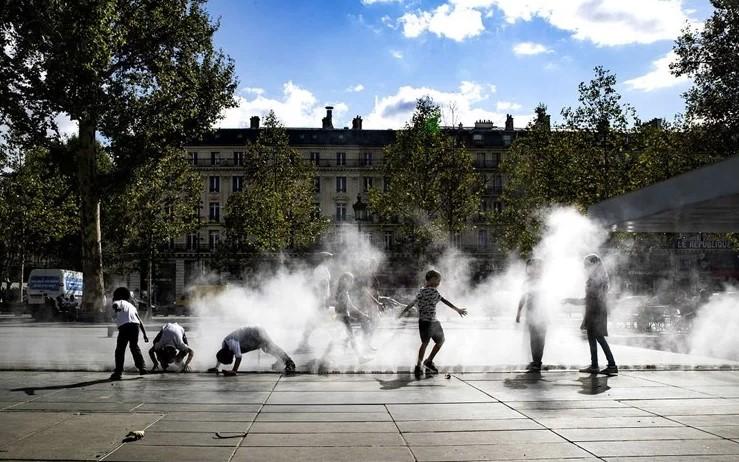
142,74
38,208
433,188
710,57
275,211
160,203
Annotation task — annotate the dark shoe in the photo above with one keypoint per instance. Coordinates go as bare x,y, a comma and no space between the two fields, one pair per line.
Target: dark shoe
590,370
289,366
610,370
115,376
534,367
417,372
144,371
430,366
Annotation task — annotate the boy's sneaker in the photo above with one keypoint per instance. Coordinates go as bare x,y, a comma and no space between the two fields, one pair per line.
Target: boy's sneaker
115,376
533,367
590,370
610,370
417,371
143,371
430,366
289,366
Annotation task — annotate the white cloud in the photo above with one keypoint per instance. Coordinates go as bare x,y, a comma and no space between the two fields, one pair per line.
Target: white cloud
659,77
396,54
530,48
253,90
355,88
507,106
395,110
297,107
603,22
389,22
66,126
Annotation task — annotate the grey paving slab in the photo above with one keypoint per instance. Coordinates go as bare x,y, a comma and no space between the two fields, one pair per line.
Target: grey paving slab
447,411
376,385
324,417
729,458
689,378
634,434
188,407
731,391
606,422
575,392
727,431
323,427
661,448
707,420
603,412
81,437
143,453
152,438
459,438
334,454
685,407
210,416
18,425
466,425
424,396
323,408
324,439
200,427
327,378
566,404
499,452
75,407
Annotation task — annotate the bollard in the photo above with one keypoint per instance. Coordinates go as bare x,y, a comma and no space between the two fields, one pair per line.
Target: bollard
111,330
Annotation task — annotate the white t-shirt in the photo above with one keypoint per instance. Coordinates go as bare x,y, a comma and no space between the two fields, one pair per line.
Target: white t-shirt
125,313
172,334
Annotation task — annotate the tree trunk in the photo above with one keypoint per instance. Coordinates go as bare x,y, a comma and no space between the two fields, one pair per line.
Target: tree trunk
92,253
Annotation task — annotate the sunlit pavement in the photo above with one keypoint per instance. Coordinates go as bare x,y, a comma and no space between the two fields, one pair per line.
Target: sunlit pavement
638,415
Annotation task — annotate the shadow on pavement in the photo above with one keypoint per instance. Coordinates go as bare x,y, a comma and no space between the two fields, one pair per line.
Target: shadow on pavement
32,390
522,381
593,385
401,382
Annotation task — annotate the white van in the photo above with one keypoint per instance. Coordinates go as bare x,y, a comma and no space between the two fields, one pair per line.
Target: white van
51,283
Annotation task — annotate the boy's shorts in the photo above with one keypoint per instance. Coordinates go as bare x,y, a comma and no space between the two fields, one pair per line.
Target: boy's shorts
430,330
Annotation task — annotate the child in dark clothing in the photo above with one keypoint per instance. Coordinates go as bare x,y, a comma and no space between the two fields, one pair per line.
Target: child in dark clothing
345,308
428,326
595,321
536,315
129,323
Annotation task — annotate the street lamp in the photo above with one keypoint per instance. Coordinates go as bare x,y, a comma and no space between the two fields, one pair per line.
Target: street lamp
360,212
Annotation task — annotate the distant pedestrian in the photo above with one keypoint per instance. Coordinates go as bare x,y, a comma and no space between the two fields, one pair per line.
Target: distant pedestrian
595,321
429,327
537,317
129,323
245,340
171,346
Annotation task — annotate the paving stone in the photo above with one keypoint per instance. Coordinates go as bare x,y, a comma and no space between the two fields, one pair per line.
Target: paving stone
727,431
690,378
451,411
707,420
565,404
731,391
634,434
730,458
459,438
378,384
466,425
324,439
143,453
625,411
499,452
210,416
18,425
323,427
324,417
322,454
563,392
323,408
187,407
76,407
661,448
606,422
79,437
200,427
423,396
154,438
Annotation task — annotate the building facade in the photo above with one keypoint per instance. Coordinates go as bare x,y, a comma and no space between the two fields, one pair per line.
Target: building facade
348,162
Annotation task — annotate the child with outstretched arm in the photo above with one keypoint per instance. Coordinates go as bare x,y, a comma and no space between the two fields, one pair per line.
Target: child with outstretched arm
429,327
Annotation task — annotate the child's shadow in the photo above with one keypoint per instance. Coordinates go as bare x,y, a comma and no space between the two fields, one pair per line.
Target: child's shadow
523,381
593,385
401,382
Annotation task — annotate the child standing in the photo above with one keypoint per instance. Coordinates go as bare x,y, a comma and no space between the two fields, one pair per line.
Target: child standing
345,308
429,327
595,321
127,318
536,314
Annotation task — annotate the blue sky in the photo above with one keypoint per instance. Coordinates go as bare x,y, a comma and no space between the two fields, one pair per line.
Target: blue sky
484,58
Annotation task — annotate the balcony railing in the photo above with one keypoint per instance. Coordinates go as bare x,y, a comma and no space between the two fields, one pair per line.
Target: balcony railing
321,163
487,163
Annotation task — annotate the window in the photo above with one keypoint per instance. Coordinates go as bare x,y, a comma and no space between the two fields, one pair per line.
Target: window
214,238
507,140
237,183
367,159
340,158
480,159
497,184
498,206
317,184
191,241
340,212
215,184
367,183
194,158
215,158
238,158
316,210
485,205
341,184
170,244
496,159
215,211
388,239
482,238
457,240
385,184
315,158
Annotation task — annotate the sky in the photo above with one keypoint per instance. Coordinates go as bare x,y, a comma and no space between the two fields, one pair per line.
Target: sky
479,59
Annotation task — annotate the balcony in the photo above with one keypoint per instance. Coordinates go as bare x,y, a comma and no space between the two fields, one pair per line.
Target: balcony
217,164
492,191
487,164
347,164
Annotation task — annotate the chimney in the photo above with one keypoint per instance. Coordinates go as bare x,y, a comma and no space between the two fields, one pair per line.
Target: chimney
327,122
357,123
508,123
254,122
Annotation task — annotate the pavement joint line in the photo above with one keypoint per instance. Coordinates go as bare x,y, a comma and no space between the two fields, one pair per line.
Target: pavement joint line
120,445
532,419
677,386
401,433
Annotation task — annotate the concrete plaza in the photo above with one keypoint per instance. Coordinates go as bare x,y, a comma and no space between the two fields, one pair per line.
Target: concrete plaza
562,415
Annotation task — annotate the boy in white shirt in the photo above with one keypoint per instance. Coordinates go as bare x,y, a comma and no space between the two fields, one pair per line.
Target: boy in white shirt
170,345
127,318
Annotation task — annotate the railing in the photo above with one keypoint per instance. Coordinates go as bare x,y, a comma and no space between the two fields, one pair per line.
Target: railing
326,163
479,163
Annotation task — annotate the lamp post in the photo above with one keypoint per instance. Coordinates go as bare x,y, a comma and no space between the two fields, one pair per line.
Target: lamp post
360,212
